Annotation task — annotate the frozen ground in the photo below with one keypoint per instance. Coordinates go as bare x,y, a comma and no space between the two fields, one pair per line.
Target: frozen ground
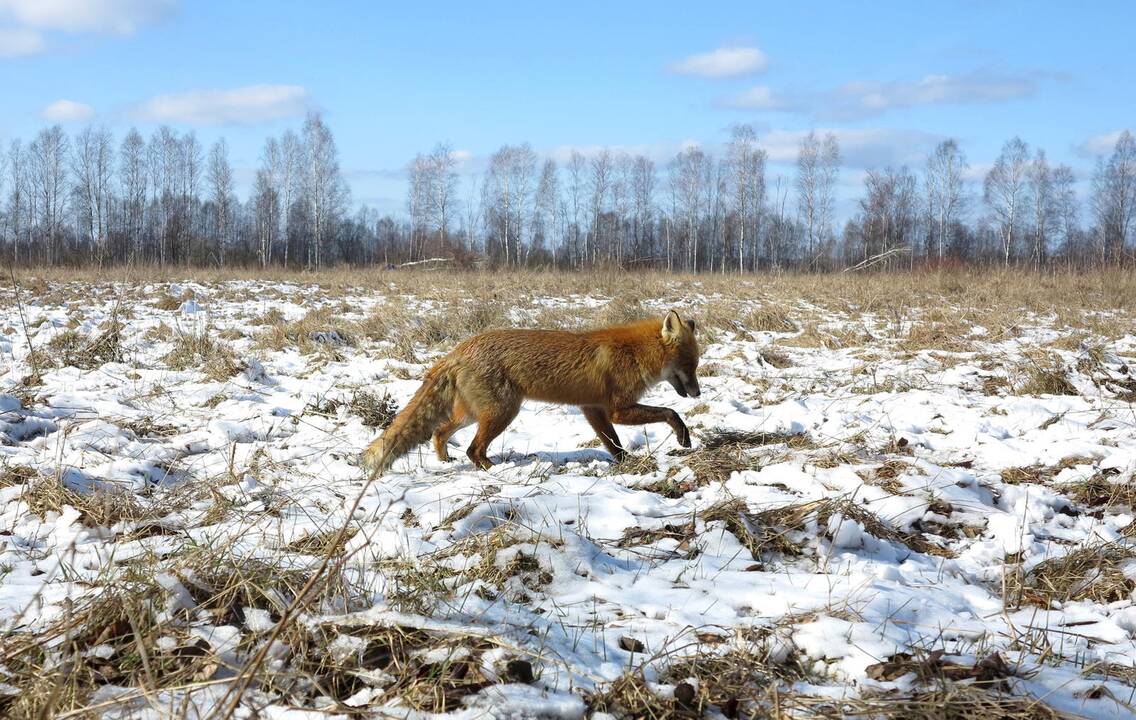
877,510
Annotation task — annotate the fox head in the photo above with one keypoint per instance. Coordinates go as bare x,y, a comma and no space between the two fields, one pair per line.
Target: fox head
681,370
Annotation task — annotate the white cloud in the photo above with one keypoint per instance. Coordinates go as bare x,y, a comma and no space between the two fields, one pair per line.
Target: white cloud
24,23
723,62
116,17
859,147
1097,145
15,42
661,152
862,97
759,97
67,111
239,106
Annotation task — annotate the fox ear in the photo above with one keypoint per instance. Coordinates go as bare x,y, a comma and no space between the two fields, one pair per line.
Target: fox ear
690,324
672,326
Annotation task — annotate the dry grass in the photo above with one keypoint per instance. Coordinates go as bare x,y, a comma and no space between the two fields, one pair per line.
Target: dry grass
786,530
199,351
73,348
776,358
718,438
134,631
1088,573
1040,474
955,701
321,330
374,410
1042,374
102,507
1101,491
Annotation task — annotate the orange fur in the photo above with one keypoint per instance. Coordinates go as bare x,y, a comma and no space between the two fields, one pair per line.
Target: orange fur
485,379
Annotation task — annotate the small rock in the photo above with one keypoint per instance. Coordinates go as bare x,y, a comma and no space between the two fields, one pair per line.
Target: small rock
630,644
684,694
519,671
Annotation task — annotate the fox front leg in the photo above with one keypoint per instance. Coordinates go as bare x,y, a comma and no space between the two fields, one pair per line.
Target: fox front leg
645,414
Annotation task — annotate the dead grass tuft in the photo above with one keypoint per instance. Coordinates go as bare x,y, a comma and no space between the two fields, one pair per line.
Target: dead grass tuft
1092,573
954,701
318,331
1042,374
373,410
199,351
720,438
776,358
786,529
73,348
102,507
1041,474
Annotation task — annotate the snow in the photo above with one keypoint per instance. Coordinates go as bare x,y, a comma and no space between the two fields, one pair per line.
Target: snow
850,600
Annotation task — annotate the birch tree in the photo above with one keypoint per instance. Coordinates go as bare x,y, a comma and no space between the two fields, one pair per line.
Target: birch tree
48,164
1005,190
1114,198
946,169
220,176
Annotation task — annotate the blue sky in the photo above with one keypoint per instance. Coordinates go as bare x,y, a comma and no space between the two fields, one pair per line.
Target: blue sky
889,78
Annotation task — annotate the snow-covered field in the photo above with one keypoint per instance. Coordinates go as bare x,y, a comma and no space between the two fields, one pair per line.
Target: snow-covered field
884,512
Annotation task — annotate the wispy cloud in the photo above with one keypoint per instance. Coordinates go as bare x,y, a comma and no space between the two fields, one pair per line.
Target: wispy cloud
760,97
24,23
248,105
1097,145
17,42
118,17
722,63
660,153
861,97
67,111
860,148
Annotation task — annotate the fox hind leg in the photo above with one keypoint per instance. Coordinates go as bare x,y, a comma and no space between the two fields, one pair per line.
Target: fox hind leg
459,418
490,424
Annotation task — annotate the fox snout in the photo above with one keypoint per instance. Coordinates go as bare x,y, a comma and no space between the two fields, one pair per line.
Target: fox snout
683,387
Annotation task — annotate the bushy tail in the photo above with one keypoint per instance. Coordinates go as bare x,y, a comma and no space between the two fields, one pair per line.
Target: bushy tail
415,423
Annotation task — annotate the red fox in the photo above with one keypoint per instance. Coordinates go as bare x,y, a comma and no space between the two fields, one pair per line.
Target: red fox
484,379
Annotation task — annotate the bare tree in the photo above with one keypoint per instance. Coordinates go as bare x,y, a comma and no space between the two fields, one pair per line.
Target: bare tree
547,192
221,195
599,182
747,167
506,196
887,220
1005,191
48,165
688,176
818,164
576,168
1065,208
266,210
643,183
288,172
441,187
417,202
132,186
1039,186
1114,197
325,191
946,169
91,166
19,196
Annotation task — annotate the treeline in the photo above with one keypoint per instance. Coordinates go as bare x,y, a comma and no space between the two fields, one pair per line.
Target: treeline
166,200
